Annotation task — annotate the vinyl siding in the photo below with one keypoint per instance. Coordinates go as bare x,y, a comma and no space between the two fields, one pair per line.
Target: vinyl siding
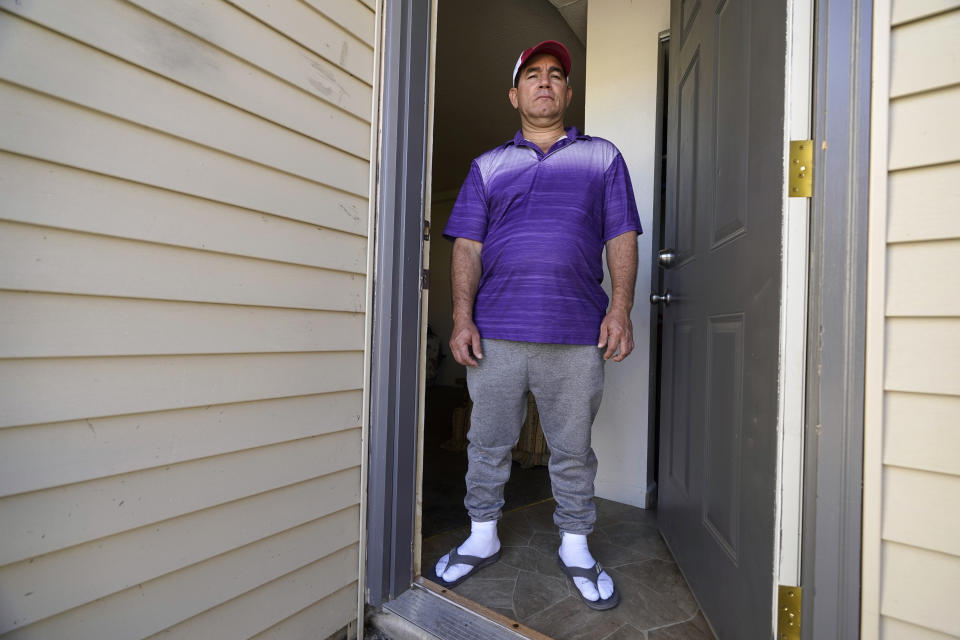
912,482
183,285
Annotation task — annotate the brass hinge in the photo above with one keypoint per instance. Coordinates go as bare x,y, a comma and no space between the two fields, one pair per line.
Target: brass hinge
801,169
789,603
425,279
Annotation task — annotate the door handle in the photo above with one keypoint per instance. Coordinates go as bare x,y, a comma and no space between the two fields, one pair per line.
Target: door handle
666,258
656,298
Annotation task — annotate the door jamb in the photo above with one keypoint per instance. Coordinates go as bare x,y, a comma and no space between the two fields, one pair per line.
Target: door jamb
656,279
798,103
396,312
833,467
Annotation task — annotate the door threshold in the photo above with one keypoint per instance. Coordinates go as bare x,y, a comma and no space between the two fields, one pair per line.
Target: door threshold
448,616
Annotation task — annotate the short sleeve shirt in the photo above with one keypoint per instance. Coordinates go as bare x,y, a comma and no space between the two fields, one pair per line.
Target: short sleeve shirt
543,219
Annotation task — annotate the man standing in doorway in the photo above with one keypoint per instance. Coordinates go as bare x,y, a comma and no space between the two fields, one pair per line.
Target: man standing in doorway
530,315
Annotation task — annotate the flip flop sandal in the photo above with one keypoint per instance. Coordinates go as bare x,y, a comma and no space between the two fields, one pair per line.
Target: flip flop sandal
593,575
475,563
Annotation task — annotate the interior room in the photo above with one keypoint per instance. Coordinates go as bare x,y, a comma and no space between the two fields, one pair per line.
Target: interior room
615,82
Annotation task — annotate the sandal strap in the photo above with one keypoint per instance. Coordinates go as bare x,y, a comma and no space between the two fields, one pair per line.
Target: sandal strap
592,574
454,558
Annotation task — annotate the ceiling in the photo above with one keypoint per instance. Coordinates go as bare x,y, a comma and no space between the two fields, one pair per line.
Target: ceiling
575,13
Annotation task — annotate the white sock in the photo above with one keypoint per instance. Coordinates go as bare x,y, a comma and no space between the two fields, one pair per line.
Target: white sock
574,553
482,543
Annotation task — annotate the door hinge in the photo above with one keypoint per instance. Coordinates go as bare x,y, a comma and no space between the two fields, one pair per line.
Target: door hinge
789,605
426,230
801,169
425,279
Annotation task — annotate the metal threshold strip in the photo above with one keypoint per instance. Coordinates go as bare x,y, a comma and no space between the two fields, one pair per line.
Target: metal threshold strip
448,616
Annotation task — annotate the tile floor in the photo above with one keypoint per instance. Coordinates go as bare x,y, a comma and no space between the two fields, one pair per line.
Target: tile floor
527,586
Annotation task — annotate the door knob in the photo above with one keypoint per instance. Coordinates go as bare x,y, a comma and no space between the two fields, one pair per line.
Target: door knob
666,258
656,298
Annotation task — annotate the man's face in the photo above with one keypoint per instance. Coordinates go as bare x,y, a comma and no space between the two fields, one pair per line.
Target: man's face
541,95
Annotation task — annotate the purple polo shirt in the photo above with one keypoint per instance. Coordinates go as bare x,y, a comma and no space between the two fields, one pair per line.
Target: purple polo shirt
543,220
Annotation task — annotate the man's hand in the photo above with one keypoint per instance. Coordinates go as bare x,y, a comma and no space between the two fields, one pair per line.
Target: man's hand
465,335
616,334
616,330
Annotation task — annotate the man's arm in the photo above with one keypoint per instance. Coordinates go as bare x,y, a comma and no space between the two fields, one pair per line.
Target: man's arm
616,330
465,270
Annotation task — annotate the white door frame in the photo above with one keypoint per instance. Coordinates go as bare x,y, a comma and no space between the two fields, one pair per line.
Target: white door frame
798,100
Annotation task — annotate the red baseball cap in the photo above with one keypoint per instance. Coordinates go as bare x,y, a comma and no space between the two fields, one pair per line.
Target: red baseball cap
552,47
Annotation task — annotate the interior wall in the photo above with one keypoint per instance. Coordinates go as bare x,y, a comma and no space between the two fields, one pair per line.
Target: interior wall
621,105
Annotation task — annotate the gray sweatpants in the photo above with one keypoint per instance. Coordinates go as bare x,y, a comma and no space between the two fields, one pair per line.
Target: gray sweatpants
567,381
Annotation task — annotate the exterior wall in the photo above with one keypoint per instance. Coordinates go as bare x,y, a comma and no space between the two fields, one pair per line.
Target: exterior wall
911,532
622,106
183,258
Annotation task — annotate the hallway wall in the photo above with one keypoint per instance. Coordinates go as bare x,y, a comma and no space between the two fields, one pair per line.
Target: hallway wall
621,105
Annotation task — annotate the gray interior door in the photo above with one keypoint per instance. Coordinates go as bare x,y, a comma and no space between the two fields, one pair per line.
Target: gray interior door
718,440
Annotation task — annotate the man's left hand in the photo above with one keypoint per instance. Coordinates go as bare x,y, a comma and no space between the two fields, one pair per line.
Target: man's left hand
616,334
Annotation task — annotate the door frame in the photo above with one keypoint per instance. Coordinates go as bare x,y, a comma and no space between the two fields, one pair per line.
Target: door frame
394,385
836,320
656,274
831,551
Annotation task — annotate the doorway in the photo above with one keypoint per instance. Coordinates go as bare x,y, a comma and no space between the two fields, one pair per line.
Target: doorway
526,584
388,574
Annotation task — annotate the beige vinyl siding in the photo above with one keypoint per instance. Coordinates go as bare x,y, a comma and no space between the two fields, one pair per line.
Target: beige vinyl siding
183,284
893,629
912,467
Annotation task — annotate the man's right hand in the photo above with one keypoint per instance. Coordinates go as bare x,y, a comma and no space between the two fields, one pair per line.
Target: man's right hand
465,336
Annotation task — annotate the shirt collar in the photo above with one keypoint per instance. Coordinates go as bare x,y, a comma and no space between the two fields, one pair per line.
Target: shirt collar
572,134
